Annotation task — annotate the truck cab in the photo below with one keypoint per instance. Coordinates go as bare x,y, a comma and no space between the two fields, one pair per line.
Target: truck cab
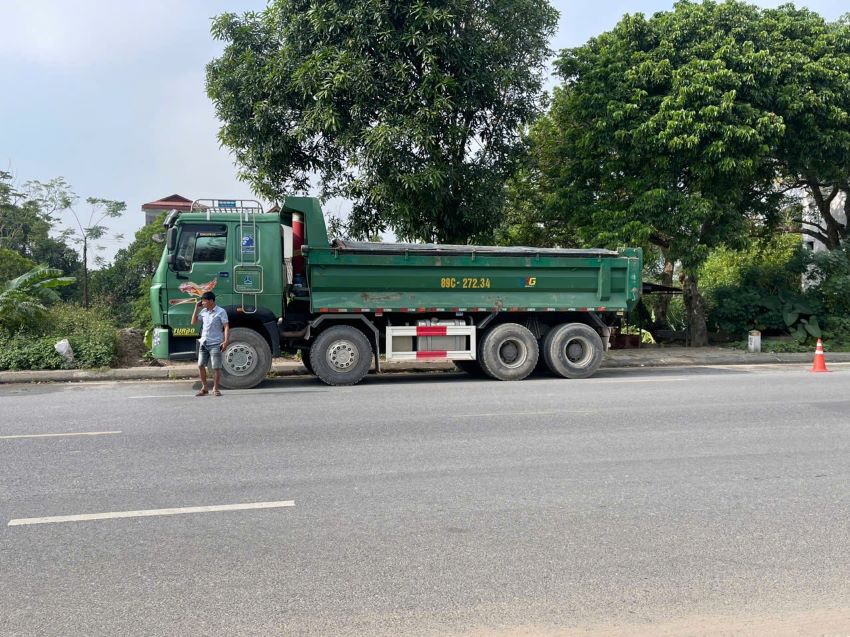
225,247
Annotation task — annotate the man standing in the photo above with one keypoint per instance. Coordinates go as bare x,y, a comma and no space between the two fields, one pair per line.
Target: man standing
214,335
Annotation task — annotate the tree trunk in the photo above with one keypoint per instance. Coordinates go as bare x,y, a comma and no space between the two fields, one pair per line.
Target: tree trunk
85,276
695,307
664,300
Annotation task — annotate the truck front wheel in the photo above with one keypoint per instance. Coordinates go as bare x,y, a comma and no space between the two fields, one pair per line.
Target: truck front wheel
246,361
508,352
573,350
341,355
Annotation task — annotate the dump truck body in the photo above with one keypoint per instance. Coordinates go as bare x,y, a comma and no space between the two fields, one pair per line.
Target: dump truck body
410,277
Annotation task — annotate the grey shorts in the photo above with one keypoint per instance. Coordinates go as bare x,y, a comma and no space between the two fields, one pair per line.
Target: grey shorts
210,354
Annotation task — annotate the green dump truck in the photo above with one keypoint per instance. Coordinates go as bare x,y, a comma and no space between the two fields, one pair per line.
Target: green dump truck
346,306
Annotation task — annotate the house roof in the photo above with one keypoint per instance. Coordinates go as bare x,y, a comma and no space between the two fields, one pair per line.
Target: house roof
172,202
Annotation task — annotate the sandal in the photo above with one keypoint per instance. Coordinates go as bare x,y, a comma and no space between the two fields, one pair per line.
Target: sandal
216,392
203,392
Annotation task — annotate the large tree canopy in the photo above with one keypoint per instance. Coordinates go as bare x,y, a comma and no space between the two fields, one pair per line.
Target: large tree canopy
678,130
811,60
411,109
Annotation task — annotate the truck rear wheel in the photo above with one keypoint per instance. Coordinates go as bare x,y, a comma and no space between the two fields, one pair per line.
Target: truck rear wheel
508,352
246,361
573,350
341,355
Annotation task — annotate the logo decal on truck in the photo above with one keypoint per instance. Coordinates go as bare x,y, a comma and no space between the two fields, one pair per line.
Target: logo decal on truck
194,290
529,282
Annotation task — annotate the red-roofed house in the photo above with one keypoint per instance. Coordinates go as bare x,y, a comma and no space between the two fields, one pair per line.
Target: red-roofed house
173,202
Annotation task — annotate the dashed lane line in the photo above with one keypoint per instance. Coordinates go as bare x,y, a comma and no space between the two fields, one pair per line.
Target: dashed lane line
85,517
60,435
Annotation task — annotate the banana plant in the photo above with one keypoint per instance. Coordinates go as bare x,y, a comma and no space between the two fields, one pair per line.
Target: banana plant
23,300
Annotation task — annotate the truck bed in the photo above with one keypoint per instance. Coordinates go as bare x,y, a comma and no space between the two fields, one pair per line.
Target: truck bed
350,276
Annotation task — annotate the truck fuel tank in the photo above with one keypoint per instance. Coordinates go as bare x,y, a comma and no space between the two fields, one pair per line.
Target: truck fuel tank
440,343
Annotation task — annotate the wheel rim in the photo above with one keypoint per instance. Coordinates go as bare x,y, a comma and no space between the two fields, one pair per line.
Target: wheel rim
512,353
342,355
239,359
578,352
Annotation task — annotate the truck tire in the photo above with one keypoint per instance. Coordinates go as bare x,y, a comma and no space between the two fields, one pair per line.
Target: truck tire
341,355
573,350
305,359
246,361
508,352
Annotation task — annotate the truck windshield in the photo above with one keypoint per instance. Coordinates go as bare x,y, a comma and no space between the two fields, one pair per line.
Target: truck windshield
200,243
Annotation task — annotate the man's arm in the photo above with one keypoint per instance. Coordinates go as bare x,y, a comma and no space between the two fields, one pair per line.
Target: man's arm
226,336
195,313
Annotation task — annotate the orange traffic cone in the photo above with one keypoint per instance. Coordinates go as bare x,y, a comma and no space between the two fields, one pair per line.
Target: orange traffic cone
819,364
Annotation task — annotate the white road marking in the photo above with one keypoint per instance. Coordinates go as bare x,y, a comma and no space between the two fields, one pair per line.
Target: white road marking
151,512
659,379
76,433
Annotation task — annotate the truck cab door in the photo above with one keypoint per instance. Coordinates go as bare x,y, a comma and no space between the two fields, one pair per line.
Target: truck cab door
199,264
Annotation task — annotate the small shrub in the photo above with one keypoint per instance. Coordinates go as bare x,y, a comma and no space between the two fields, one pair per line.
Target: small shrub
759,288
23,351
91,336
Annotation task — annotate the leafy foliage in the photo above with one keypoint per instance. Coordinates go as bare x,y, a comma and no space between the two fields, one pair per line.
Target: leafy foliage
828,276
124,286
411,109
91,336
23,299
12,264
25,228
760,288
58,200
676,129
810,59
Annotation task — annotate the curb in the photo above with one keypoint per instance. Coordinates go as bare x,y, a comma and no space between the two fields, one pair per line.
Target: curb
641,358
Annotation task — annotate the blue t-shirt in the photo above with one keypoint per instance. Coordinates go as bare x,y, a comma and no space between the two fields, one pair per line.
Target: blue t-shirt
214,322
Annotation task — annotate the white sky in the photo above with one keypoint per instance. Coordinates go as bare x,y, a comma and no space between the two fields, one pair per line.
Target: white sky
110,94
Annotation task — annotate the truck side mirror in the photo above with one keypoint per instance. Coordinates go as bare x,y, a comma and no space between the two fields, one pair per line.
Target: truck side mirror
171,238
169,258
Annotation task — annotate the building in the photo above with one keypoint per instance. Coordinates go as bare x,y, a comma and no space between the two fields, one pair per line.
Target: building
153,209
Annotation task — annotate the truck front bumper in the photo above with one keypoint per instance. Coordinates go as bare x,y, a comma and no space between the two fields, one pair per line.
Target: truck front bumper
159,342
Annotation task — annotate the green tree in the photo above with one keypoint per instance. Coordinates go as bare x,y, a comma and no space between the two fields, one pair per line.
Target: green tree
411,109
23,299
811,58
12,264
25,228
58,201
666,130
124,285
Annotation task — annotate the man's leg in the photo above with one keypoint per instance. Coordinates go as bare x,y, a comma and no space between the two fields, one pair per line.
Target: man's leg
203,359
215,358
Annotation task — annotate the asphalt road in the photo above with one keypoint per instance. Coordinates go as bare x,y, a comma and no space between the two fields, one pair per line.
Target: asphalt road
675,501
